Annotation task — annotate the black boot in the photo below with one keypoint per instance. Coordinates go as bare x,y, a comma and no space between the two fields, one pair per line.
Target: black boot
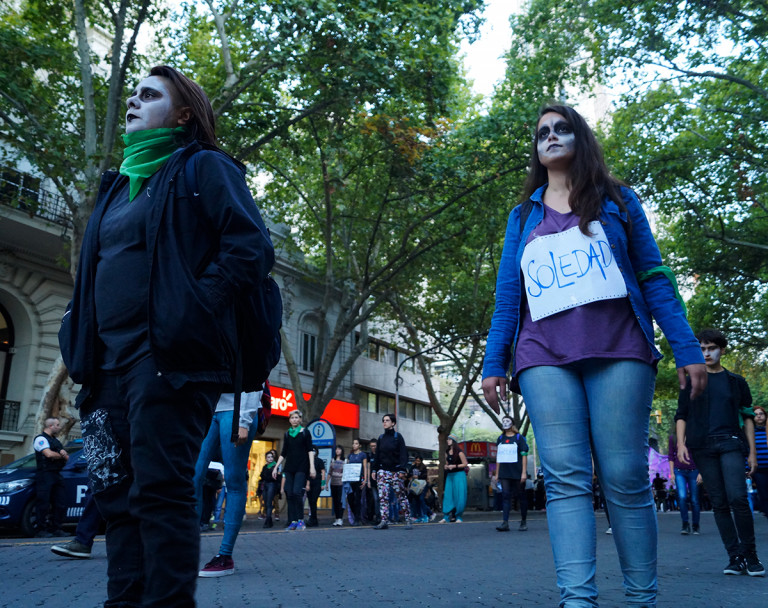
268,522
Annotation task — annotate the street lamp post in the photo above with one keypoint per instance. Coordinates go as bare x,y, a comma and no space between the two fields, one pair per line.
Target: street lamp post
439,345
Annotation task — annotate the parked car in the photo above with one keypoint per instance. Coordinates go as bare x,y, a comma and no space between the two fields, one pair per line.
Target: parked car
17,490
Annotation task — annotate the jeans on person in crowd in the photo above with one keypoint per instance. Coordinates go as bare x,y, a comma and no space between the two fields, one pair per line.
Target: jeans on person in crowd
235,461
721,465
269,491
513,488
90,521
685,482
760,480
294,493
220,503
147,494
596,408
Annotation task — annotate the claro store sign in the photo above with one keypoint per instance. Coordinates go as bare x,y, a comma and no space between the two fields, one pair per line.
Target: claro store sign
337,412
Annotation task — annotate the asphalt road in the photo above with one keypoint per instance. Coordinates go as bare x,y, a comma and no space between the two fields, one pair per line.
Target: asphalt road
445,565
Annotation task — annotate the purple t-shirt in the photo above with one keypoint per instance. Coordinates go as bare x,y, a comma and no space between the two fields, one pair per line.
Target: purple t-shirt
607,328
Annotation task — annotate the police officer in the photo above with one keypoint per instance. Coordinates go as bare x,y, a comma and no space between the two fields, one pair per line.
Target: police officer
51,458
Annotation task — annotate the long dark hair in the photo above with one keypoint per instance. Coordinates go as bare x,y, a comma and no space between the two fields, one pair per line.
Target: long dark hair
202,124
589,177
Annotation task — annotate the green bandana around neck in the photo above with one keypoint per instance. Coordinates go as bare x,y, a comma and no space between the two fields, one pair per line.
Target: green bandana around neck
145,152
271,464
295,431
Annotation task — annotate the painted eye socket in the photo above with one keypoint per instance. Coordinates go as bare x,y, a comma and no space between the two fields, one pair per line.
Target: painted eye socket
563,128
543,134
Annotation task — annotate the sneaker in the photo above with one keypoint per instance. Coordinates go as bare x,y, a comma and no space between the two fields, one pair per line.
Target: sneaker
696,529
443,521
686,528
523,526
459,520
609,531
381,526
754,567
293,526
433,517
301,525
268,522
504,527
737,565
277,518
72,549
221,565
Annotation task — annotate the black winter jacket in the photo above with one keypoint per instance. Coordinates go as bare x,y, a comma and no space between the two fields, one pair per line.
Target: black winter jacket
204,250
391,454
696,412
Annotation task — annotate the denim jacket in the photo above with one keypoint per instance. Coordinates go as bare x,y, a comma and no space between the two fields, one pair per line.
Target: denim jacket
635,252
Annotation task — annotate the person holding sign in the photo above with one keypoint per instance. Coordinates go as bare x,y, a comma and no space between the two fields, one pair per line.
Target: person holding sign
511,471
354,475
580,279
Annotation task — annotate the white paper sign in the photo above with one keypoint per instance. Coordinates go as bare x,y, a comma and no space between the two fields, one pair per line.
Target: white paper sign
352,471
569,269
506,452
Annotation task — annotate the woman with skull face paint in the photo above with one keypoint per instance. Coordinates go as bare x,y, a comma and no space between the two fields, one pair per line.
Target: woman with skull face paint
173,242
579,281
512,472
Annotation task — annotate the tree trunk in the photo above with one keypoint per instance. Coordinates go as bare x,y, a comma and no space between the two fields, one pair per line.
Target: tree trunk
57,399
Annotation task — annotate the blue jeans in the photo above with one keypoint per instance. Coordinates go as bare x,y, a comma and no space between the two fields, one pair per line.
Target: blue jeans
721,465
235,461
685,481
596,408
90,520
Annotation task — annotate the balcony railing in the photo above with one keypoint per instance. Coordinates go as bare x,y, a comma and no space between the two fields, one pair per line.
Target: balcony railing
10,415
37,203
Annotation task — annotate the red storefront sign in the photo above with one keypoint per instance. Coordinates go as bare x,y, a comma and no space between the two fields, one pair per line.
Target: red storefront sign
337,412
479,449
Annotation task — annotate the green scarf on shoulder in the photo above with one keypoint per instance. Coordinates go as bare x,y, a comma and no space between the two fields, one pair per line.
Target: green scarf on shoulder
145,152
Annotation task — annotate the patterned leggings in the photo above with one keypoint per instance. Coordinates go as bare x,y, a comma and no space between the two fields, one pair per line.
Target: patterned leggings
389,481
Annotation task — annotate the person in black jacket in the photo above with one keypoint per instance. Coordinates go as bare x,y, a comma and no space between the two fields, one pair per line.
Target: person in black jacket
709,428
392,467
174,240
299,466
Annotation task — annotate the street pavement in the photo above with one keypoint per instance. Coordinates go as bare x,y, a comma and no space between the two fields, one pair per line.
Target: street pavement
464,565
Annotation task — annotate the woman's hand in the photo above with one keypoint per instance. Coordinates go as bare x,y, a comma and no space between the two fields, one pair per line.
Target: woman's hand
274,473
698,374
491,385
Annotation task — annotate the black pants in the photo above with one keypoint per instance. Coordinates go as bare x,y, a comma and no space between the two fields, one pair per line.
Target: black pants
312,496
355,499
338,509
294,494
513,488
49,487
721,465
142,438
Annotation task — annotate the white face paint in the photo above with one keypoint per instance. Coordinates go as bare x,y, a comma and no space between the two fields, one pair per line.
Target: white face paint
712,353
555,141
506,424
150,106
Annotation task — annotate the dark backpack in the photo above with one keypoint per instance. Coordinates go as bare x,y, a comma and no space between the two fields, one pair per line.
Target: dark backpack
259,319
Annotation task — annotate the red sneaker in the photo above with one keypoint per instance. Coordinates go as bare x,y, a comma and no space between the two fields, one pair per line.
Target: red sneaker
221,565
